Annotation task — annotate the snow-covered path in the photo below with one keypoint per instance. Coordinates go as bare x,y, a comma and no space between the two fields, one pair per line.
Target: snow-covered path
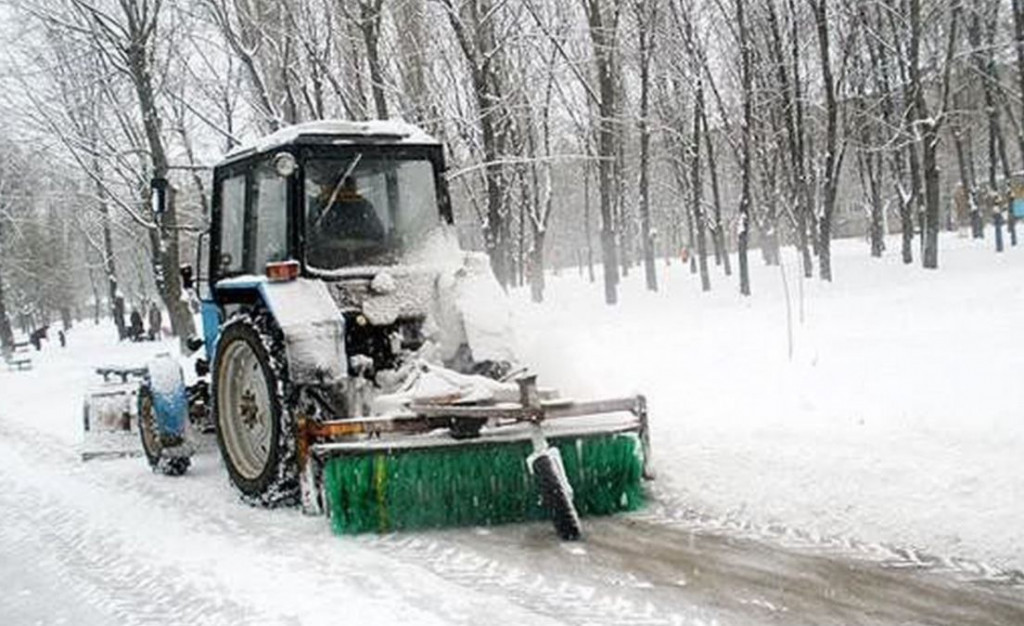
789,491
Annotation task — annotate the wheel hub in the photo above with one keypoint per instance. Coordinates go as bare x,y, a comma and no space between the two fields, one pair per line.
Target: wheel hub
248,409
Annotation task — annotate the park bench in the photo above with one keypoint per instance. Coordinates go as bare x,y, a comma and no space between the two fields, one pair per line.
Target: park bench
109,371
15,357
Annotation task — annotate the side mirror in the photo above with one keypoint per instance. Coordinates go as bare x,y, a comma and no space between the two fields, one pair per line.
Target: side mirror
186,276
159,196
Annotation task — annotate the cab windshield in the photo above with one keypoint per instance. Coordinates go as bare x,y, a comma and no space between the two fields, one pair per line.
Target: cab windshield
366,209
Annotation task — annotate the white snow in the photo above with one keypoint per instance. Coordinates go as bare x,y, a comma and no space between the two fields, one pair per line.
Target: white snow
900,418
897,421
313,328
404,133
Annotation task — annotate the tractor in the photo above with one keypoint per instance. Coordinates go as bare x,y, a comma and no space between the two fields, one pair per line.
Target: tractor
358,362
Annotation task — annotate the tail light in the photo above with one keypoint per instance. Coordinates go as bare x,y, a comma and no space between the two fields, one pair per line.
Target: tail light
283,270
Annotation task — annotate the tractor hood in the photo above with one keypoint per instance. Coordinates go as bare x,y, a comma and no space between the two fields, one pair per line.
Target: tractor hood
454,292
449,294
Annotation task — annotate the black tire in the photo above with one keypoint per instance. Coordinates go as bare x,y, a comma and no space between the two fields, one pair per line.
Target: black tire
556,494
261,464
152,444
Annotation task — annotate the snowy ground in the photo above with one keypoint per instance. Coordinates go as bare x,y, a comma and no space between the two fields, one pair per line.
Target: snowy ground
897,423
899,417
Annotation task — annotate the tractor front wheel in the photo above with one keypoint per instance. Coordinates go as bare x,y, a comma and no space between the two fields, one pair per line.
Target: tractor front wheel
254,422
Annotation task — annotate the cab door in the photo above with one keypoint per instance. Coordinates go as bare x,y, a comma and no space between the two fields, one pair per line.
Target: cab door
250,228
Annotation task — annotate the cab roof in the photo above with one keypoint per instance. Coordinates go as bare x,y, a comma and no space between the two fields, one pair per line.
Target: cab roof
331,132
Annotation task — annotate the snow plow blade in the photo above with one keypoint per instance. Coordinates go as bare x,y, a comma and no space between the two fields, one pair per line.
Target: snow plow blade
110,415
457,465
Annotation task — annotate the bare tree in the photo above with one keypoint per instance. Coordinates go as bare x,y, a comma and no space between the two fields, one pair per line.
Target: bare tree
603,20
127,39
473,23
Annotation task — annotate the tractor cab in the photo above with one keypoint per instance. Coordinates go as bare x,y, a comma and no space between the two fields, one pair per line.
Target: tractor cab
328,201
328,196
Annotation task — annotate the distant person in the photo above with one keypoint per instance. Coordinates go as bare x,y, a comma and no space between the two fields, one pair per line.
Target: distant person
37,336
135,329
63,339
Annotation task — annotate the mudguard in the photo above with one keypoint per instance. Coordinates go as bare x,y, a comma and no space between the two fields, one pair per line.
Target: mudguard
313,328
312,325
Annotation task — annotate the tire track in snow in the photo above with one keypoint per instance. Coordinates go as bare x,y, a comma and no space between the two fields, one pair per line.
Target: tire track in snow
468,557
634,571
666,508
144,584
116,580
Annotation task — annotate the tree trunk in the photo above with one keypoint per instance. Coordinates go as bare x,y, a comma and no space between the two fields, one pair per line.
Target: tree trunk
718,235
6,334
930,128
967,183
877,209
929,161
748,124
519,275
622,215
691,240
370,16
833,158
997,223
997,145
109,266
869,165
537,265
1018,40
602,36
97,298
586,222
696,187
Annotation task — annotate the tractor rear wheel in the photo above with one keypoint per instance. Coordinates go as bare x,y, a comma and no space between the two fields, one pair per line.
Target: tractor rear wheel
152,444
254,422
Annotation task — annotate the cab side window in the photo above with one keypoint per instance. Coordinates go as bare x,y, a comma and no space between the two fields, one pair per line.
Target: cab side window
232,224
269,219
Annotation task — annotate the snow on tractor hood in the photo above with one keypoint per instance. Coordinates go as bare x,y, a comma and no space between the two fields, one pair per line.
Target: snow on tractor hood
452,290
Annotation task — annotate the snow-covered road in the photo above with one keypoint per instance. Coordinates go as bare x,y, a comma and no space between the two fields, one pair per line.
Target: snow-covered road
818,491
98,545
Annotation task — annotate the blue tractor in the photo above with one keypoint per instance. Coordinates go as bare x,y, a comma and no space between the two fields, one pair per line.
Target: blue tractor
340,318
